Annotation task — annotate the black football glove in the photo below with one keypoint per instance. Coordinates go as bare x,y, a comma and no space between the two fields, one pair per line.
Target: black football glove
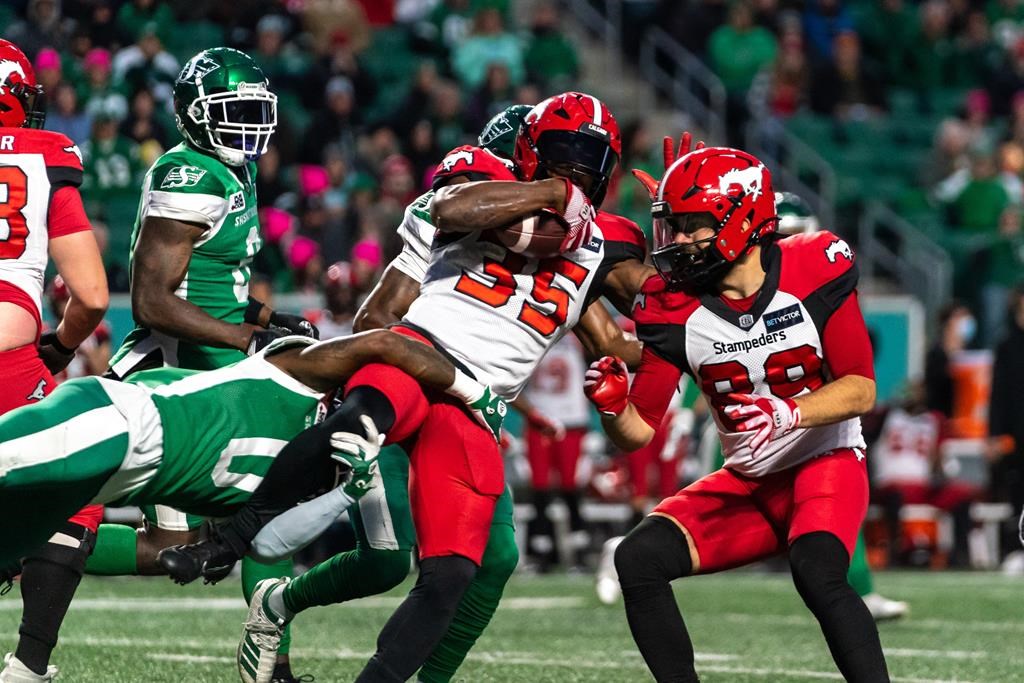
261,338
295,324
55,355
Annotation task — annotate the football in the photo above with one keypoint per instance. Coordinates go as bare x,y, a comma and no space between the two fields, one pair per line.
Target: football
538,236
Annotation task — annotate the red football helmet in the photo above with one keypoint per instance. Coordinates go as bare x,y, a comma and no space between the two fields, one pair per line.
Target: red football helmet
572,135
717,187
21,101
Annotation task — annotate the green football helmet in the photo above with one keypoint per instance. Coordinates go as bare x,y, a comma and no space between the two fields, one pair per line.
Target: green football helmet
223,106
795,215
499,135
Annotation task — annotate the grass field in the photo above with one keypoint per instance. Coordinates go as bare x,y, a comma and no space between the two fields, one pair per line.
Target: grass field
746,627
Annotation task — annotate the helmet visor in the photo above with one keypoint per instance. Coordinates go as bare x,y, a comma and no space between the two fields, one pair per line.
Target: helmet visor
668,225
577,149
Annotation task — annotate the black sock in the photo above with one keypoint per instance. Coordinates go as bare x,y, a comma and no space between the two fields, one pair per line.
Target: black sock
304,467
652,555
49,578
419,623
572,503
819,562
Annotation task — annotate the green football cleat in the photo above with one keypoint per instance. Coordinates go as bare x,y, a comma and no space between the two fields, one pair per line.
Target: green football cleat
261,635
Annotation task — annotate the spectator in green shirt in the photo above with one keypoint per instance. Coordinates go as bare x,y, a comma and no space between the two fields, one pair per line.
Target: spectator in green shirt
981,203
488,43
739,49
550,56
133,17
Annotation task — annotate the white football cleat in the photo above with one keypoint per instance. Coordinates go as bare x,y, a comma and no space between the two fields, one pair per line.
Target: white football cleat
607,586
16,672
261,635
884,609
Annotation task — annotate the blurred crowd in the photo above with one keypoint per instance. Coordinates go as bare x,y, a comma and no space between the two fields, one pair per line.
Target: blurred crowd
371,96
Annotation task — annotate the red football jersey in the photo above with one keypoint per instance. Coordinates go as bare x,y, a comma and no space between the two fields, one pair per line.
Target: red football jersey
40,172
803,329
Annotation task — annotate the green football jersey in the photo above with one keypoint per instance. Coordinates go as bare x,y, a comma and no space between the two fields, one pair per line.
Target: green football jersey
187,185
221,431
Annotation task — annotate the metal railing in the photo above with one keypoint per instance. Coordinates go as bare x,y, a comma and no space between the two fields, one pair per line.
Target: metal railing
605,27
797,167
692,88
891,247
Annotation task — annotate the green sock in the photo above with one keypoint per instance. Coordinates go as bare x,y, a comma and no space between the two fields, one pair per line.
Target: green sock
114,554
252,573
476,608
346,576
859,574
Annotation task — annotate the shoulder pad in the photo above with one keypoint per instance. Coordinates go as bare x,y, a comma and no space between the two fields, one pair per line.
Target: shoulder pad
57,149
475,162
619,229
812,260
656,305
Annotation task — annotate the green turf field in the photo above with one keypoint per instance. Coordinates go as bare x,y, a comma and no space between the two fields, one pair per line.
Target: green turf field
746,627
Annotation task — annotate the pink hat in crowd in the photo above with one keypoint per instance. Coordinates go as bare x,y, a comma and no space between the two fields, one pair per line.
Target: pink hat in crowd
367,250
313,179
301,252
48,58
97,57
276,223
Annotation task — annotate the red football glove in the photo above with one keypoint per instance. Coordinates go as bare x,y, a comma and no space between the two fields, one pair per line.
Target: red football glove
669,154
579,216
767,416
606,384
550,427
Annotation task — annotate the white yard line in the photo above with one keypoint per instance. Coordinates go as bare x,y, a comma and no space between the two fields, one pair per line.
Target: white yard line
941,654
826,675
236,604
189,659
929,624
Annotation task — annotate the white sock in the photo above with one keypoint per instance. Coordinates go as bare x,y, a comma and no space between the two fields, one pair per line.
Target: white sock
275,601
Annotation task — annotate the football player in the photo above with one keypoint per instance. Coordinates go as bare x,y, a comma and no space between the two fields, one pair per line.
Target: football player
771,330
476,295
41,213
195,237
136,443
796,217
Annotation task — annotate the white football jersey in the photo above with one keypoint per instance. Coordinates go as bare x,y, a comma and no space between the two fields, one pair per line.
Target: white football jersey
33,165
498,312
904,451
417,233
556,389
774,349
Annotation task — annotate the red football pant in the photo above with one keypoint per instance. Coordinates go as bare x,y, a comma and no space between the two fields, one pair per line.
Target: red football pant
733,520
545,454
456,473
640,463
26,380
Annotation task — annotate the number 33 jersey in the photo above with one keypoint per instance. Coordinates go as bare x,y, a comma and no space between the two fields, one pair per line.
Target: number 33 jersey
803,329
498,312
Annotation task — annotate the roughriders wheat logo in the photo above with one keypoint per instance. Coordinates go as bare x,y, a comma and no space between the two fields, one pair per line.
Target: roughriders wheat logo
749,180
183,176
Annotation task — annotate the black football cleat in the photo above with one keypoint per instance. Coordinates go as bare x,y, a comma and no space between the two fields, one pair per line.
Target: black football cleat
7,576
208,559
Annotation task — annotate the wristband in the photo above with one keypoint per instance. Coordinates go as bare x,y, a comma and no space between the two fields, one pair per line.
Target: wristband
465,388
252,312
54,341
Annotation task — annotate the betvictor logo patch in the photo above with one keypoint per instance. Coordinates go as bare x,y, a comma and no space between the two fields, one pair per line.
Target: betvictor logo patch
783,318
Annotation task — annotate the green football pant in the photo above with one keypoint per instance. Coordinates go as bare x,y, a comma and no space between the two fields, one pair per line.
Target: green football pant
55,457
385,536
